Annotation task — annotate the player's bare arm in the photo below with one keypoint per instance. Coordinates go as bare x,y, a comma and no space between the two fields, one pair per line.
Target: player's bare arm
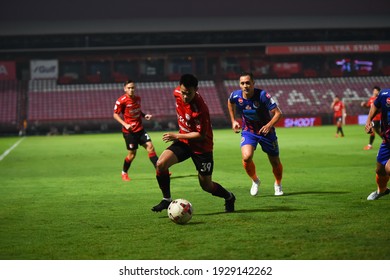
373,112
118,118
171,136
277,114
232,112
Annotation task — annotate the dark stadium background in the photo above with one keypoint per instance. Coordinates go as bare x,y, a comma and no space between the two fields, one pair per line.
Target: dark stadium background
160,15
90,35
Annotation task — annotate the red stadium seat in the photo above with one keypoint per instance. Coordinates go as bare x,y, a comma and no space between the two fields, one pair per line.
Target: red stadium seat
312,97
9,91
51,102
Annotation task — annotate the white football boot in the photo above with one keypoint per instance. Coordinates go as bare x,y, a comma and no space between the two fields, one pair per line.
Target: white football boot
278,190
255,187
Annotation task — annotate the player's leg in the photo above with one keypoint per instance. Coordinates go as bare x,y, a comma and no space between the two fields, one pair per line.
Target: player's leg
269,145
372,138
382,173
151,152
248,147
127,163
370,141
277,169
205,164
132,146
335,121
340,127
146,142
377,128
175,153
247,152
218,190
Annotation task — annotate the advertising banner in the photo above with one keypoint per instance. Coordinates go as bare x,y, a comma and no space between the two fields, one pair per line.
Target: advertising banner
299,122
326,49
44,69
7,70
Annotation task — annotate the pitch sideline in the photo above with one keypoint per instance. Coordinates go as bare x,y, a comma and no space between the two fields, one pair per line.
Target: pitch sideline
10,149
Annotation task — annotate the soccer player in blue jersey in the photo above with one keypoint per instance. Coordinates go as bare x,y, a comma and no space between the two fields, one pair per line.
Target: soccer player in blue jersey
259,113
381,105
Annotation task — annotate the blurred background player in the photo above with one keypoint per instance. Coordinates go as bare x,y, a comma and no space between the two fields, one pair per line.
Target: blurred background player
194,140
376,120
339,113
259,114
381,104
129,106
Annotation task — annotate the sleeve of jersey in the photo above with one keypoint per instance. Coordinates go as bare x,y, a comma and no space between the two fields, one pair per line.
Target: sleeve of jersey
231,98
176,92
268,100
117,107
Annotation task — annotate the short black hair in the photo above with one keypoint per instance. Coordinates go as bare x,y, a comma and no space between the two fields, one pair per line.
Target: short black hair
128,82
250,74
377,88
189,81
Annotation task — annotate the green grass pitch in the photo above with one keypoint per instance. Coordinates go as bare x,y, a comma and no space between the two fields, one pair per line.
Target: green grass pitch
62,197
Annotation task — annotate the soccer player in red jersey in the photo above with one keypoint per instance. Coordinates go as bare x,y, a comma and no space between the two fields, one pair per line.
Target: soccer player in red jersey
339,110
194,140
129,105
259,113
376,120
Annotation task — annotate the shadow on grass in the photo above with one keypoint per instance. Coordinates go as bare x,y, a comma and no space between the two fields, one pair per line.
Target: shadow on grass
190,223
173,177
270,209
313,192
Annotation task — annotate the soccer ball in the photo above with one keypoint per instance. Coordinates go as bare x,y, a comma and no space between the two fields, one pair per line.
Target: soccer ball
180,211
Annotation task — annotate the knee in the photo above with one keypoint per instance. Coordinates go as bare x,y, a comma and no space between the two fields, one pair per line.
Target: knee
381,171
247,157
131,156
150,148
161,165
275,162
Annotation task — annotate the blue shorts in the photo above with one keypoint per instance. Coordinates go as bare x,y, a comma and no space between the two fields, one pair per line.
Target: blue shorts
269,143
383,154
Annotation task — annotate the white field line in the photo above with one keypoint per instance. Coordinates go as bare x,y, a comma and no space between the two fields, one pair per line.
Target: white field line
10,149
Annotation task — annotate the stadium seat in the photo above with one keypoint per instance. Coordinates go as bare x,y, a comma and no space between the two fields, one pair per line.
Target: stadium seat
312,96
9,91
51,102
